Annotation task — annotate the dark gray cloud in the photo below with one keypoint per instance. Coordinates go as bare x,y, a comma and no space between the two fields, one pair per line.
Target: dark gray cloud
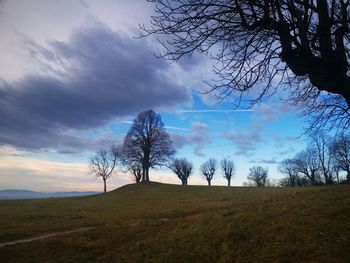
96,77
245,142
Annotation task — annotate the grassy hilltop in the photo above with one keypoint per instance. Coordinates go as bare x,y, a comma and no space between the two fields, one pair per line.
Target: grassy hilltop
167,223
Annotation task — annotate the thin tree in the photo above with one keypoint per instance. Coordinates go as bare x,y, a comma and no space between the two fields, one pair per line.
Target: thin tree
228,167
267,44
136,171
103,164
208,169
182,168
147,143
340,149
336,169
258,176
322,145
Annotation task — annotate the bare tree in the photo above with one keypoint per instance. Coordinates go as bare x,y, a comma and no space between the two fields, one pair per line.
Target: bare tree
182,168
340,149
136,171
321,143
290,169
267,44
307,164
208,169
147,144
103,163
228,168
258,176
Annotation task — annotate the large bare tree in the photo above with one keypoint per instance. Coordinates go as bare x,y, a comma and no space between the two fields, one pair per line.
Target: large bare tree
228,167
103,164
302,45
290,169
182,168
208,169
307,164
147,144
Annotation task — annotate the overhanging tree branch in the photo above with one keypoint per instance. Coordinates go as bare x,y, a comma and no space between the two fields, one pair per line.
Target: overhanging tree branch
264,45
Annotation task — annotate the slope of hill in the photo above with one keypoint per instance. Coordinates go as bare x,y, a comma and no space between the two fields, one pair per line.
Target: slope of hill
168,223
27,194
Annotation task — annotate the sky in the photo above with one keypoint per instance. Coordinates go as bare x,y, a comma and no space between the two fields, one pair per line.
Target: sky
73,76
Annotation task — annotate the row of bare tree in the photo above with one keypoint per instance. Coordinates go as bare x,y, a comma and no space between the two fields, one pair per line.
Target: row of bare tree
183,169
322,162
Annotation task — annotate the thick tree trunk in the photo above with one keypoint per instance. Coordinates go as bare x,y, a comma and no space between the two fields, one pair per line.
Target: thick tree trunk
312,179
147,174
137,179
104,185
143,175
184,181
229,182
209,182
337,174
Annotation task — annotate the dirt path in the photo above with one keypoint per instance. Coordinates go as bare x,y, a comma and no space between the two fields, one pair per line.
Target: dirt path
82,229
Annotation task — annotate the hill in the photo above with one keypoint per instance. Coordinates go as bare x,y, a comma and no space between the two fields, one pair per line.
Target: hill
169,223
27,194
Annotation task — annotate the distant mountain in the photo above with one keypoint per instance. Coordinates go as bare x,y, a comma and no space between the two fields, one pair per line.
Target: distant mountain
27,194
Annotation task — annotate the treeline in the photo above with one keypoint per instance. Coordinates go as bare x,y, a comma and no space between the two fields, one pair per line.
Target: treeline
322,162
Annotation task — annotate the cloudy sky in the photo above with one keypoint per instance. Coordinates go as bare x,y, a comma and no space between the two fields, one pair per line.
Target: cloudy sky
73,74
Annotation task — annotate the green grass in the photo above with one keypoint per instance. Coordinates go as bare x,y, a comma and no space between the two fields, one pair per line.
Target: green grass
168,223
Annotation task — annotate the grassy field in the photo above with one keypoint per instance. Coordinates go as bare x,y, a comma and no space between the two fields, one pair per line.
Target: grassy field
168,223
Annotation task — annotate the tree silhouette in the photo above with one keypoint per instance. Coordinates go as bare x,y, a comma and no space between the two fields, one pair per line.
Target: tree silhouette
340,149
208,169
267,44
307,164
290,169
258,176
136,171
182,168
228,167
103,163
147,144
321,143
